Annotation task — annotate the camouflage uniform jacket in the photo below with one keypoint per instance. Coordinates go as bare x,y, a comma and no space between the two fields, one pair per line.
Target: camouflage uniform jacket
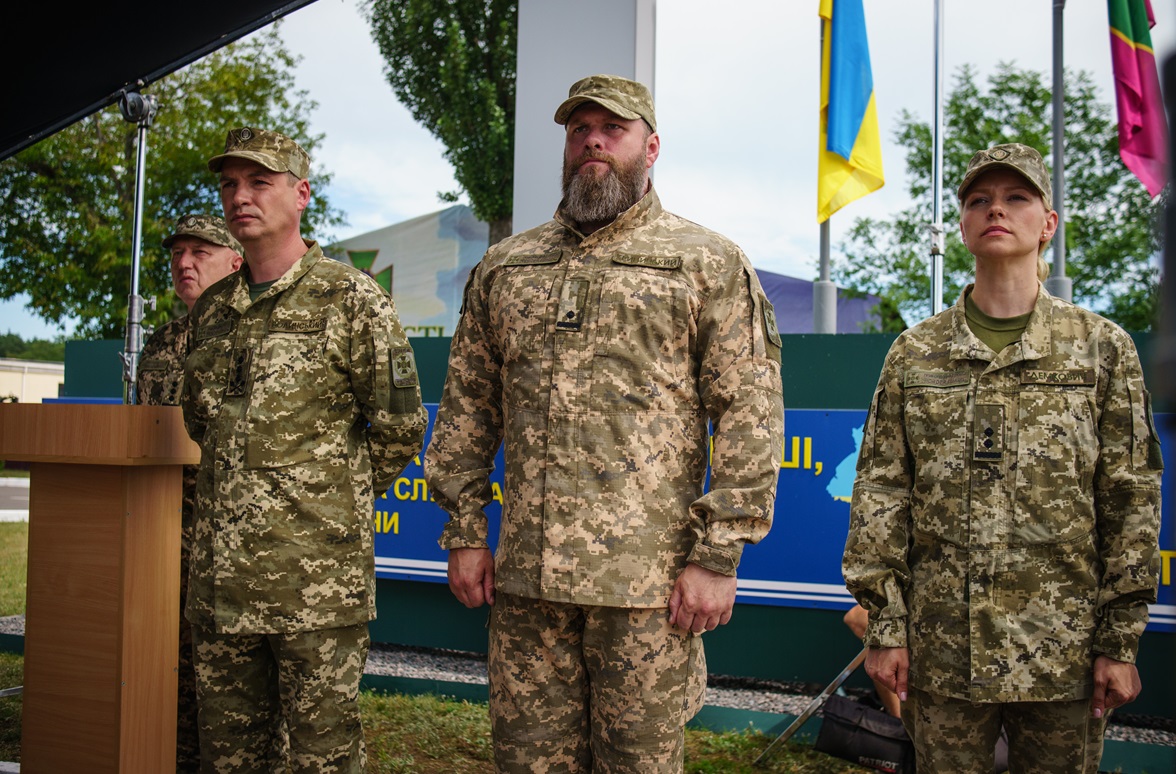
1005,514
279,393
158,382
599,360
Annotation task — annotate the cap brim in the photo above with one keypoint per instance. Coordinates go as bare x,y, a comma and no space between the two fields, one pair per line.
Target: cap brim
569,105
167,243
978,171
216,162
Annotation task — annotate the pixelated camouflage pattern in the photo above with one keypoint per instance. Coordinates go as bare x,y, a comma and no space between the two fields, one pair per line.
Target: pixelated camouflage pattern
276,152
950,735
623,97
599,360
309,724
1013,155
646,679
1006,510
159,377
279,393
211,229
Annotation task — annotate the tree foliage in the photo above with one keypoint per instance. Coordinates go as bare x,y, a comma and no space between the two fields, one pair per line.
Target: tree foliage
1112,224
13,346
452,64
67,203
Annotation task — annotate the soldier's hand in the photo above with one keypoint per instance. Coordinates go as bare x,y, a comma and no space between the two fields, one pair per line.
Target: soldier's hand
1115,684
890,667
471,576
702,599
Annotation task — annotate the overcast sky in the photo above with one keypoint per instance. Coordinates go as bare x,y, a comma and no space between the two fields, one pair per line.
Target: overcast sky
737,86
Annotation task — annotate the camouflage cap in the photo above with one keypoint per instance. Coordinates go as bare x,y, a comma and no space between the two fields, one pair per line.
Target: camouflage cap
207,227
276,152
628,99
1020,158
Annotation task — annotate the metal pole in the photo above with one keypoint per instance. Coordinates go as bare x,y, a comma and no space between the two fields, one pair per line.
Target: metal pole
1058,284
141,110
937,170
824,291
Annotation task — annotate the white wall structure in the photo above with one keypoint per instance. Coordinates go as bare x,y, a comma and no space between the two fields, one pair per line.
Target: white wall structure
559,43
30,381
424,263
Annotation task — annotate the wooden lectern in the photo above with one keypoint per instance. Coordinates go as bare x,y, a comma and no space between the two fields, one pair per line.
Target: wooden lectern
103,583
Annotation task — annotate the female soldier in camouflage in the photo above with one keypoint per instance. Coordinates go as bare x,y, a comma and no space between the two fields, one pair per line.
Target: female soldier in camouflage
1005,516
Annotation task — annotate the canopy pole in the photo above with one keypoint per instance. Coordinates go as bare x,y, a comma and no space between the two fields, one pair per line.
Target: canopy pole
140,109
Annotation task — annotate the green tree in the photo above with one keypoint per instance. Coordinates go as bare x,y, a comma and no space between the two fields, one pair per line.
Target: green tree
67,203
452,64
13,346
1112,224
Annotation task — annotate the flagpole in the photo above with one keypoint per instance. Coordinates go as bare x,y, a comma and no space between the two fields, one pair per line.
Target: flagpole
824,291
937,170
1058,284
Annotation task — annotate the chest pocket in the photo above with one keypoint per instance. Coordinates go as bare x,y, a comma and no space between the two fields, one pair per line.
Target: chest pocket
1057,452
207,367
643,327
936,419
160,381
518,303
288,389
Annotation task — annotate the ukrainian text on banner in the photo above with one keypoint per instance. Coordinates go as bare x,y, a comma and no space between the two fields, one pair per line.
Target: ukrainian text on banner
797,565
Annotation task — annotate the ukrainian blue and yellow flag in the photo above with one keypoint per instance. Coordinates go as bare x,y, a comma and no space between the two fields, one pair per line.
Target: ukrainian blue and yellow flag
850,163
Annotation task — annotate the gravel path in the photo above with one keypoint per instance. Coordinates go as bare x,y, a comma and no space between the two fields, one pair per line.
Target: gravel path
722,691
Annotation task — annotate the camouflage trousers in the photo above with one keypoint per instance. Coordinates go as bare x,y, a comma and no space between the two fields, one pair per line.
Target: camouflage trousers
281,702
187,737
590,689
1044,737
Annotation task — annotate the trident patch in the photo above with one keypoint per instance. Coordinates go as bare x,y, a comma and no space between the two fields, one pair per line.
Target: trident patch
404,373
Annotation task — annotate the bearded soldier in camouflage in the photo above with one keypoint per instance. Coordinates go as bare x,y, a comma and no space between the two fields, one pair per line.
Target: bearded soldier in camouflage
1006,510
597,348
202,252
300,389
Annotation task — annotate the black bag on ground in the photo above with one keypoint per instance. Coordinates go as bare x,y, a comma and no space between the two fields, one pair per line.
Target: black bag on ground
863,735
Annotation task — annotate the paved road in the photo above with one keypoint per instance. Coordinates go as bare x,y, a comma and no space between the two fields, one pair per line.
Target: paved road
14,499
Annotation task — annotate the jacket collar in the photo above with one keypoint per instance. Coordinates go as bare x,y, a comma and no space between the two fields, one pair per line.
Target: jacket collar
240,297
646,210
1036,342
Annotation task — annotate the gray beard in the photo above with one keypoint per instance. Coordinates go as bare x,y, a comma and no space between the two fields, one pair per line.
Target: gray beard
596,199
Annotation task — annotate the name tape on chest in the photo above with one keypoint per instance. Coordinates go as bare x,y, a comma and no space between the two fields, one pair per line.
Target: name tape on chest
650,261
1072,376
917,378
290,325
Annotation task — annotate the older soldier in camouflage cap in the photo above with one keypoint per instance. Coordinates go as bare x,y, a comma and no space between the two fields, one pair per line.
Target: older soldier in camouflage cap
300,389
202,252
597,347
1005,516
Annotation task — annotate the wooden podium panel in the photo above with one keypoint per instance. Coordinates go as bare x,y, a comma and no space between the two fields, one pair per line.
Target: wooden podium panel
103,584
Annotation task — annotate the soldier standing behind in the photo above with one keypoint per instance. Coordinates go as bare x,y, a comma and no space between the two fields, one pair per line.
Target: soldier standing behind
598,347
1006,510
202,252
302,392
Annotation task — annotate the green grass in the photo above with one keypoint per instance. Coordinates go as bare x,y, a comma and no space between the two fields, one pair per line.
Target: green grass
11,675
14,543
427,734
